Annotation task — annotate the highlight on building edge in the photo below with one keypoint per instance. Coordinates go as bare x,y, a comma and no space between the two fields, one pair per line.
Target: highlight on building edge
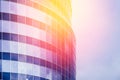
36,40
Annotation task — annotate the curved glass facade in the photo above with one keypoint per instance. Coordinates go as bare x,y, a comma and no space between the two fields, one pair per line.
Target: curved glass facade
36,40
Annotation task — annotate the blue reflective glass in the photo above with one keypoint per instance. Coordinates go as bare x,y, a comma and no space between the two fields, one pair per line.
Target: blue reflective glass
0,55
29,59
36,61
6,56
14,57
6,36
14,76
6,76
5,16
14,37
29,77
0,75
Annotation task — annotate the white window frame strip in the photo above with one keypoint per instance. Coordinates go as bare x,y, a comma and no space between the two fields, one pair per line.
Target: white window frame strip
26,49
24,68
23,29
27,11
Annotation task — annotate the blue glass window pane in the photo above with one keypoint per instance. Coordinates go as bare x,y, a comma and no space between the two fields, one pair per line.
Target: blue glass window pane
0,55
36,61
5,16
36,78
14,57
14,37
6,36
22,58
21,77
30,77
0,15
6,56
0,75
29,59
14,76
6,76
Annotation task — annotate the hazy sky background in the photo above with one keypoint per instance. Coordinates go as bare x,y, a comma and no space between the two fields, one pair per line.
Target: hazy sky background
96,24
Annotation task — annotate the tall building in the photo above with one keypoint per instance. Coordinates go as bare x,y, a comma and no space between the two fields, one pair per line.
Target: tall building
36,40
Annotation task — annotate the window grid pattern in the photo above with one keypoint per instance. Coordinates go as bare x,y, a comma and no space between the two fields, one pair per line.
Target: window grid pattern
36,43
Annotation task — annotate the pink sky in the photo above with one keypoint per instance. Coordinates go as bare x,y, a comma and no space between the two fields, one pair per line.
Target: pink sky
94,24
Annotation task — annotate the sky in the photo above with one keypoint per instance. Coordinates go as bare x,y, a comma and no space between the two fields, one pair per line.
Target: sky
96,24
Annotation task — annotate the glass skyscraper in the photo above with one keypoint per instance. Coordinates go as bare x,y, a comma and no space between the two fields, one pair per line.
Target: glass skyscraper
36,40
